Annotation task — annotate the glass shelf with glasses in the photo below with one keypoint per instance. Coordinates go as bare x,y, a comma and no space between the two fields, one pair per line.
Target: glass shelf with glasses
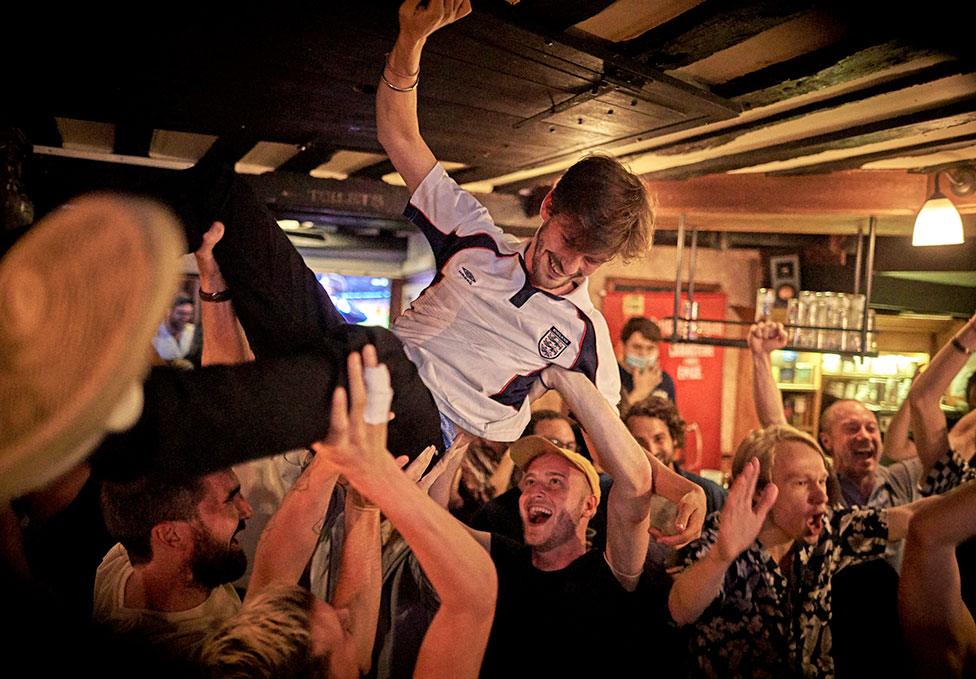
821,330
690,331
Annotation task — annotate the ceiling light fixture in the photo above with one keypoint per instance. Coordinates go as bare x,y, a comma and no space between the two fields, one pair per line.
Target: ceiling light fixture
938,222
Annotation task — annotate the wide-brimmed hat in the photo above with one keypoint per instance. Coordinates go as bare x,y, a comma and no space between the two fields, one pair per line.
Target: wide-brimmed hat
528,448
81,295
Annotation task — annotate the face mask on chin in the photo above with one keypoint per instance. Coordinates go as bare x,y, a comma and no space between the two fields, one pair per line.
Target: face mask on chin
639,362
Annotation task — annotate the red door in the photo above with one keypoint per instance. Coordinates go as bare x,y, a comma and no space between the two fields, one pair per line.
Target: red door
695,368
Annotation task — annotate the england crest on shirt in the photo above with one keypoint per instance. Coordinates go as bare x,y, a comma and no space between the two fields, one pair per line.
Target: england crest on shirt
552,344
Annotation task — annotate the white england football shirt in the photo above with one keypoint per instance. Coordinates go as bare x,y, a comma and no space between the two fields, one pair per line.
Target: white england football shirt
480,334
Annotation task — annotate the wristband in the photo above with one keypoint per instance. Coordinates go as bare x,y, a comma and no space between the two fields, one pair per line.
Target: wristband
959,346
219,296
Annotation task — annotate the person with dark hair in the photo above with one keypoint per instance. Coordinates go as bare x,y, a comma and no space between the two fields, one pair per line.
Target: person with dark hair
641,375
501,309
283,631
167,582
176,335
660,430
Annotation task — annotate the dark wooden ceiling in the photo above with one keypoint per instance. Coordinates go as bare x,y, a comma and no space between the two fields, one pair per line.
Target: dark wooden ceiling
681,89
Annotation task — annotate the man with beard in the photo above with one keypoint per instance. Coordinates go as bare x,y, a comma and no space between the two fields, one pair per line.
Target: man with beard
554,586
167,582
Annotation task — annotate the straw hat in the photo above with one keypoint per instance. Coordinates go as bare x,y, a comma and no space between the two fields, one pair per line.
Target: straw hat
81,295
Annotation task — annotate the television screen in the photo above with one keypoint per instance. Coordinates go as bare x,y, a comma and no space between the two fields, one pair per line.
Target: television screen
360,299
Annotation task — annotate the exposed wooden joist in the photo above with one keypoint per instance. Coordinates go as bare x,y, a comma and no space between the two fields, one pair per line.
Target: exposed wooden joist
900,81
703,31
309,157
905,125
629,19
376,172
801,35
855,161
133,139
843,193
841,62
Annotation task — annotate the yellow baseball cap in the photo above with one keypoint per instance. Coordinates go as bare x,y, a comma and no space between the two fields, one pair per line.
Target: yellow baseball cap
528,448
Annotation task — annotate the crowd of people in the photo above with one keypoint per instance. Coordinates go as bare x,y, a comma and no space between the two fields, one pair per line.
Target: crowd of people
433,523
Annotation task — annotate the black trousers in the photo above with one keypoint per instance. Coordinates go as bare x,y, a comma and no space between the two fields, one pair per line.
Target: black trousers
200,421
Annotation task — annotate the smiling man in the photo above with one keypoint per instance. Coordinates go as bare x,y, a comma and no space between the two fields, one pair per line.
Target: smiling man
167,582
501,309
555,586
849,434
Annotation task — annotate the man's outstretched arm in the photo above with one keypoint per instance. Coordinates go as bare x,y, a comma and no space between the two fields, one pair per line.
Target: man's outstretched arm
456,565
628,504
939,628
928,420
397,125
224,342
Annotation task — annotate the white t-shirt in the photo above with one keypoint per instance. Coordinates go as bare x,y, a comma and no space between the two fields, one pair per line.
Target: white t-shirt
168,347
481,333
180,633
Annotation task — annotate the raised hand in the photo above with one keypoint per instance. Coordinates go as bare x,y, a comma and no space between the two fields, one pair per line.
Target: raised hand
765,336
418,19
415,468
645,381
357,434
741,520
211,279
439,480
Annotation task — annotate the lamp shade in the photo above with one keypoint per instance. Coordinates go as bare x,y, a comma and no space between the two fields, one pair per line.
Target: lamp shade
937,223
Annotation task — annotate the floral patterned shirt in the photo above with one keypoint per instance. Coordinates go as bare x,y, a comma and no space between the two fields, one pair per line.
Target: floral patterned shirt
948,472
764,625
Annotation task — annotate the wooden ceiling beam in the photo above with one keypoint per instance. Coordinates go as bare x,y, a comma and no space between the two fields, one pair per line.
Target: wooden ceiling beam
702,31
842,62
922,149
899,126
859,193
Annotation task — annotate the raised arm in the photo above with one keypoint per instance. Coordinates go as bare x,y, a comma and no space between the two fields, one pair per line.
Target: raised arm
290,537
629,502
698,585
928,420
224,342
939,628
457,566
897,446
397,126
962,437
764,337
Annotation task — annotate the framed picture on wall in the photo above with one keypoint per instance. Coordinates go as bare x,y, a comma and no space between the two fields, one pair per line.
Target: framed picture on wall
784,276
